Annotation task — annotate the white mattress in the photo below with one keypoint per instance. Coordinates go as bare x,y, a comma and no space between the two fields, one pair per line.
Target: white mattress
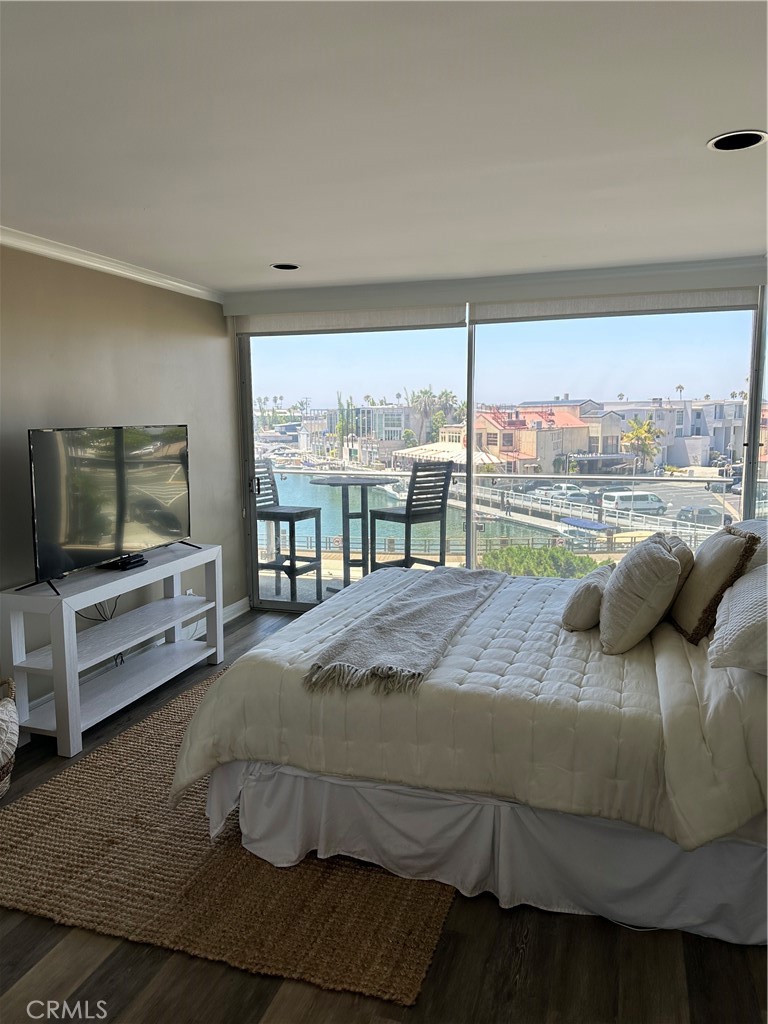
518,709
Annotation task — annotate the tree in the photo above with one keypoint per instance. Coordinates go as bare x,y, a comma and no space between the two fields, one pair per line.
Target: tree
409,438
340,424
620,396
369,399
447,402
460,413
398,396
425,403
438,421
640,440
734,394
524,561
680,388
707,397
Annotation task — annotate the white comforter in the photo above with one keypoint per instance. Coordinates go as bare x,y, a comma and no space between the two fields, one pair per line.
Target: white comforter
517,708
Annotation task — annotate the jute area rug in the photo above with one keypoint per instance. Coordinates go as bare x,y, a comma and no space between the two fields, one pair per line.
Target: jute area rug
97,847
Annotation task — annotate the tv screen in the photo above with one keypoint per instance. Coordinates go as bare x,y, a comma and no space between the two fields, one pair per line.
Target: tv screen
101,493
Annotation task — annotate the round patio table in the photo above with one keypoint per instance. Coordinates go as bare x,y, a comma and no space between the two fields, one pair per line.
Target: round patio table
345,481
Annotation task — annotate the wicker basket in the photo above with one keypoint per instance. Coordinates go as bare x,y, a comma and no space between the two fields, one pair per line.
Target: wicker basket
9,733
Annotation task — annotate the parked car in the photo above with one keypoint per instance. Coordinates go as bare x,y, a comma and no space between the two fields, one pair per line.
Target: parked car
530,484
704,515
720,486
566,487
634,501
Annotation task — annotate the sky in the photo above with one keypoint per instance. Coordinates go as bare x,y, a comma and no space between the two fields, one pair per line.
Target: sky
640,357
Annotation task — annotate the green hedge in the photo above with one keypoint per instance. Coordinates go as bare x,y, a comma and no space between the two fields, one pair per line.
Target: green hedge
524,561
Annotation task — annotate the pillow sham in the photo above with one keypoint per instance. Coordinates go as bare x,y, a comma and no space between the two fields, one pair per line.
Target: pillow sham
718,563
760,527
741,627
685,557
638,593
582,610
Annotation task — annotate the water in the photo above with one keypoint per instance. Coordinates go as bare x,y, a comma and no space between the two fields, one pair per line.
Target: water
297,489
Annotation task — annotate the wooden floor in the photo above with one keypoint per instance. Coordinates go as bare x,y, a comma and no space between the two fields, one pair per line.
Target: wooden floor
491,965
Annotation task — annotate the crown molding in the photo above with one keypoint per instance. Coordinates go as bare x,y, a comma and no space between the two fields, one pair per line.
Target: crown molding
93,261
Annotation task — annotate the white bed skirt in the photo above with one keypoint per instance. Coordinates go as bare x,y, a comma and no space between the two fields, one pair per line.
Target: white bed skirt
559,862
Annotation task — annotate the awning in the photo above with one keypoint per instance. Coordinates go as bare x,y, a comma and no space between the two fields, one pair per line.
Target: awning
585,524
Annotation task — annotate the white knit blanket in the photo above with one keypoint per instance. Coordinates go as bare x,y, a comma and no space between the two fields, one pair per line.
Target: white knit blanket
403,639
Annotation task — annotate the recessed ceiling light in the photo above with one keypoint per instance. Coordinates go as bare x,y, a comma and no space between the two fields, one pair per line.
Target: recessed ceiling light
730,141
284,266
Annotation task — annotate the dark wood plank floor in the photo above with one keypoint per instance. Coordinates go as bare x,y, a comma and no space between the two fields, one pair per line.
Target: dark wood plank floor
491,966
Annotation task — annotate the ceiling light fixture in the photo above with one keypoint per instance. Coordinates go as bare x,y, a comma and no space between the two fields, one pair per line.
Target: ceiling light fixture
730,141
284,266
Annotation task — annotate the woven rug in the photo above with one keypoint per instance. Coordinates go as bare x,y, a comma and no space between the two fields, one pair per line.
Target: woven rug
97,847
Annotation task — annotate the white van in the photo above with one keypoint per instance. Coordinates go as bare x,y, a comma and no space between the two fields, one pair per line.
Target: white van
637,501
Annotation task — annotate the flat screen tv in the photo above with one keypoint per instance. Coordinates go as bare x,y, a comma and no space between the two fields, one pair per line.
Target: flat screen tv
102,494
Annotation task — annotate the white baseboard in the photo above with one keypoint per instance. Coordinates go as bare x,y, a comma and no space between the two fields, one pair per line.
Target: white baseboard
231,611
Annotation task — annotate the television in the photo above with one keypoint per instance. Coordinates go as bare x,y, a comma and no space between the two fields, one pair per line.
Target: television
105,494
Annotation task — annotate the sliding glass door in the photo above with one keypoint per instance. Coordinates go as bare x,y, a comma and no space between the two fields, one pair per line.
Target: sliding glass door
339,419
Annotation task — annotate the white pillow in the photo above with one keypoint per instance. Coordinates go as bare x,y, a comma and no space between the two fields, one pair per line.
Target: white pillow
760,527
719,562
582,610
637,594
741,627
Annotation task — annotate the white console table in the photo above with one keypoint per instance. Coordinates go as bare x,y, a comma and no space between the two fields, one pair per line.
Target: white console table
145,643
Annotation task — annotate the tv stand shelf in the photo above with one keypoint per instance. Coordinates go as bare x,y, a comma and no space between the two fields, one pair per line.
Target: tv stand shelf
78,704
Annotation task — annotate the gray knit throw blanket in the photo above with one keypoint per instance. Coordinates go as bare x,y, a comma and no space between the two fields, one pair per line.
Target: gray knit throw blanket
400,642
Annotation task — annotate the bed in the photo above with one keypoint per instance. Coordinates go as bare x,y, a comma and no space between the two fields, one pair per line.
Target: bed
527,762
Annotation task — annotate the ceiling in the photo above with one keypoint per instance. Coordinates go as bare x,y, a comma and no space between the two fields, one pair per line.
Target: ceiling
382,142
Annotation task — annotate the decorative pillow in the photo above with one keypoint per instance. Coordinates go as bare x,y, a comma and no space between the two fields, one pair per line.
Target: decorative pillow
685,557
582,610
760,527
637,594
741,627
718,563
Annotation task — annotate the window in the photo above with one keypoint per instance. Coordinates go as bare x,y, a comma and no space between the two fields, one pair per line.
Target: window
325,403
525,370
528,393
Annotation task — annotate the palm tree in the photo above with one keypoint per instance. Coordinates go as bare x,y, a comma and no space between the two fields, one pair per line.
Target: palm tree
398,396
734,394
640,439
369,399
707,397
425,403
620,396
680,388
447,402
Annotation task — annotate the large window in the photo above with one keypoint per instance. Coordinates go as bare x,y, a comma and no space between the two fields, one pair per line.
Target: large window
355,402
631,406
650,410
